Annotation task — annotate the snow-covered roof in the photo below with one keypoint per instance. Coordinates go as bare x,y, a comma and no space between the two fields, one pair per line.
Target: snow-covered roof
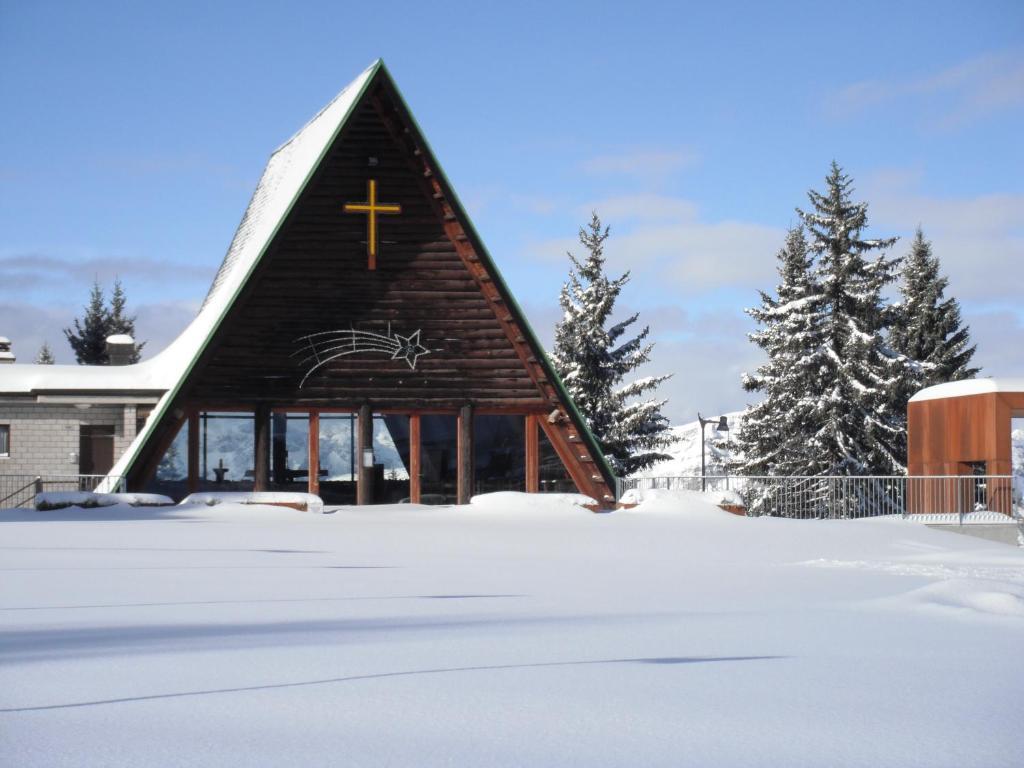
968,387
283,179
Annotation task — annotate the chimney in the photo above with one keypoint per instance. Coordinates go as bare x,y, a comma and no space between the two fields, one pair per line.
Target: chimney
6,356
120,349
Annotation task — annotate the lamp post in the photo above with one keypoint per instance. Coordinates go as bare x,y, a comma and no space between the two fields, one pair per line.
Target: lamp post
722,426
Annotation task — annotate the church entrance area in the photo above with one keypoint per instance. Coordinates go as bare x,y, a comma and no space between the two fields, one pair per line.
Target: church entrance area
361,456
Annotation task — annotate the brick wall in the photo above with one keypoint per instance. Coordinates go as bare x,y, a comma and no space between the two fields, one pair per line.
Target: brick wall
44,436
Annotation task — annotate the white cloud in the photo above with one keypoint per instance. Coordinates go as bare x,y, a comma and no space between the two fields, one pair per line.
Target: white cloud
665,243
26,271
968,91
644,164
979,239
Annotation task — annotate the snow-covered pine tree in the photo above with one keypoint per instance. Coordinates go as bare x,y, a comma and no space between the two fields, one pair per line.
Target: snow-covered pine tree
45,355
775,434
592,361
926,330
927,327
857,429
88,338
121,322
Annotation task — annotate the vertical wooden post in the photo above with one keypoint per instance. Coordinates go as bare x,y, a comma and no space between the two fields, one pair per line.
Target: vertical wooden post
364,429
532,454
464,486
261,448
313,453
415,472
193,450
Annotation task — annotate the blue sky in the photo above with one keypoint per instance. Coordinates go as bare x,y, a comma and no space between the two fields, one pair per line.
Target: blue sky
134,133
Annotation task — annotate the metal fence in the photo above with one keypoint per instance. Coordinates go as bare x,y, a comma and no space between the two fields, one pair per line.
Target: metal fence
21,490
842,497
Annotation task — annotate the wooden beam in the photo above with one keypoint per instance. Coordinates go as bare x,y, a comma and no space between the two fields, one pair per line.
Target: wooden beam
261,448
532,455
313,453
193,451
465,455
364,442
415,458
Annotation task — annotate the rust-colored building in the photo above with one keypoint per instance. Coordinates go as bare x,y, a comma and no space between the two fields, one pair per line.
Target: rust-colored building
958,429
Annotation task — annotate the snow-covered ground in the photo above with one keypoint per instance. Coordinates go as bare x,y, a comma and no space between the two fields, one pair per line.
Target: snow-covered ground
523,632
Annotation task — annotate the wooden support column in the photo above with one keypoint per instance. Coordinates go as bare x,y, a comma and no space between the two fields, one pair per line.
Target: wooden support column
415,458
364,430
465,455
261,449
193,450
313,452
532,454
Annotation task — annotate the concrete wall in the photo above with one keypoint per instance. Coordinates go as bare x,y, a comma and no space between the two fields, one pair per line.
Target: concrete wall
44,436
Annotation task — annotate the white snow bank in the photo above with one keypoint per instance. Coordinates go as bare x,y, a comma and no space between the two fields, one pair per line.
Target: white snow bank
516,503
61,499
307,502
662,500
963,597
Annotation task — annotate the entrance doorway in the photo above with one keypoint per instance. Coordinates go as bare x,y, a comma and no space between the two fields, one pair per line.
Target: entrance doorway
95,449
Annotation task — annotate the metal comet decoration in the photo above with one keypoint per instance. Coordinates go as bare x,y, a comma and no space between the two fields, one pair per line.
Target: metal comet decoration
322,348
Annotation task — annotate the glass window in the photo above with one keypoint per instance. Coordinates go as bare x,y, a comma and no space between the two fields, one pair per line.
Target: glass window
338,469
5,439
390,459
226,442
499,454
289,452
171,478
438,459
553,476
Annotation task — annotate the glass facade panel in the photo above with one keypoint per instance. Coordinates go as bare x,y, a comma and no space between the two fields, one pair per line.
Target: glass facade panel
226,451
553,476
438,459
499,454
338,469
289,452
390,459
171,477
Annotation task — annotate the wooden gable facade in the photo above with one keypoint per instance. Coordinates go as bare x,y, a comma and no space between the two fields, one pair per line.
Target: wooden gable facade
375,296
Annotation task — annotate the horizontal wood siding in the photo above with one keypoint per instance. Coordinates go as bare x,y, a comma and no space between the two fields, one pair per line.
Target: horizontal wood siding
315,278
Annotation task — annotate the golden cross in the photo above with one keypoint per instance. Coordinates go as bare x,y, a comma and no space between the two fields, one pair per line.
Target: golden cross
371,208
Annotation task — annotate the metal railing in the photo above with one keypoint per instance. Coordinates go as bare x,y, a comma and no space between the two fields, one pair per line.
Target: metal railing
845,497
21,490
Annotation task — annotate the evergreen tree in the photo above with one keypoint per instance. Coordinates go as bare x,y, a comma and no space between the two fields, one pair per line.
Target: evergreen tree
927,326
120,322
45,356
88,338
593,361
926,332
856,427
775,432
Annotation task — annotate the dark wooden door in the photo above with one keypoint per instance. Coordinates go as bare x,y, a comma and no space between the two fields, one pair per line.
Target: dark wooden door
95,449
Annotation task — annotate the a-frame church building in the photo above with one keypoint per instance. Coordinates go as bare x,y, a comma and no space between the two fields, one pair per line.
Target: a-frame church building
358,342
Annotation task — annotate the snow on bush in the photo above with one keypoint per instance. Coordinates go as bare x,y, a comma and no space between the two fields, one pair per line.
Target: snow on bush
308,502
